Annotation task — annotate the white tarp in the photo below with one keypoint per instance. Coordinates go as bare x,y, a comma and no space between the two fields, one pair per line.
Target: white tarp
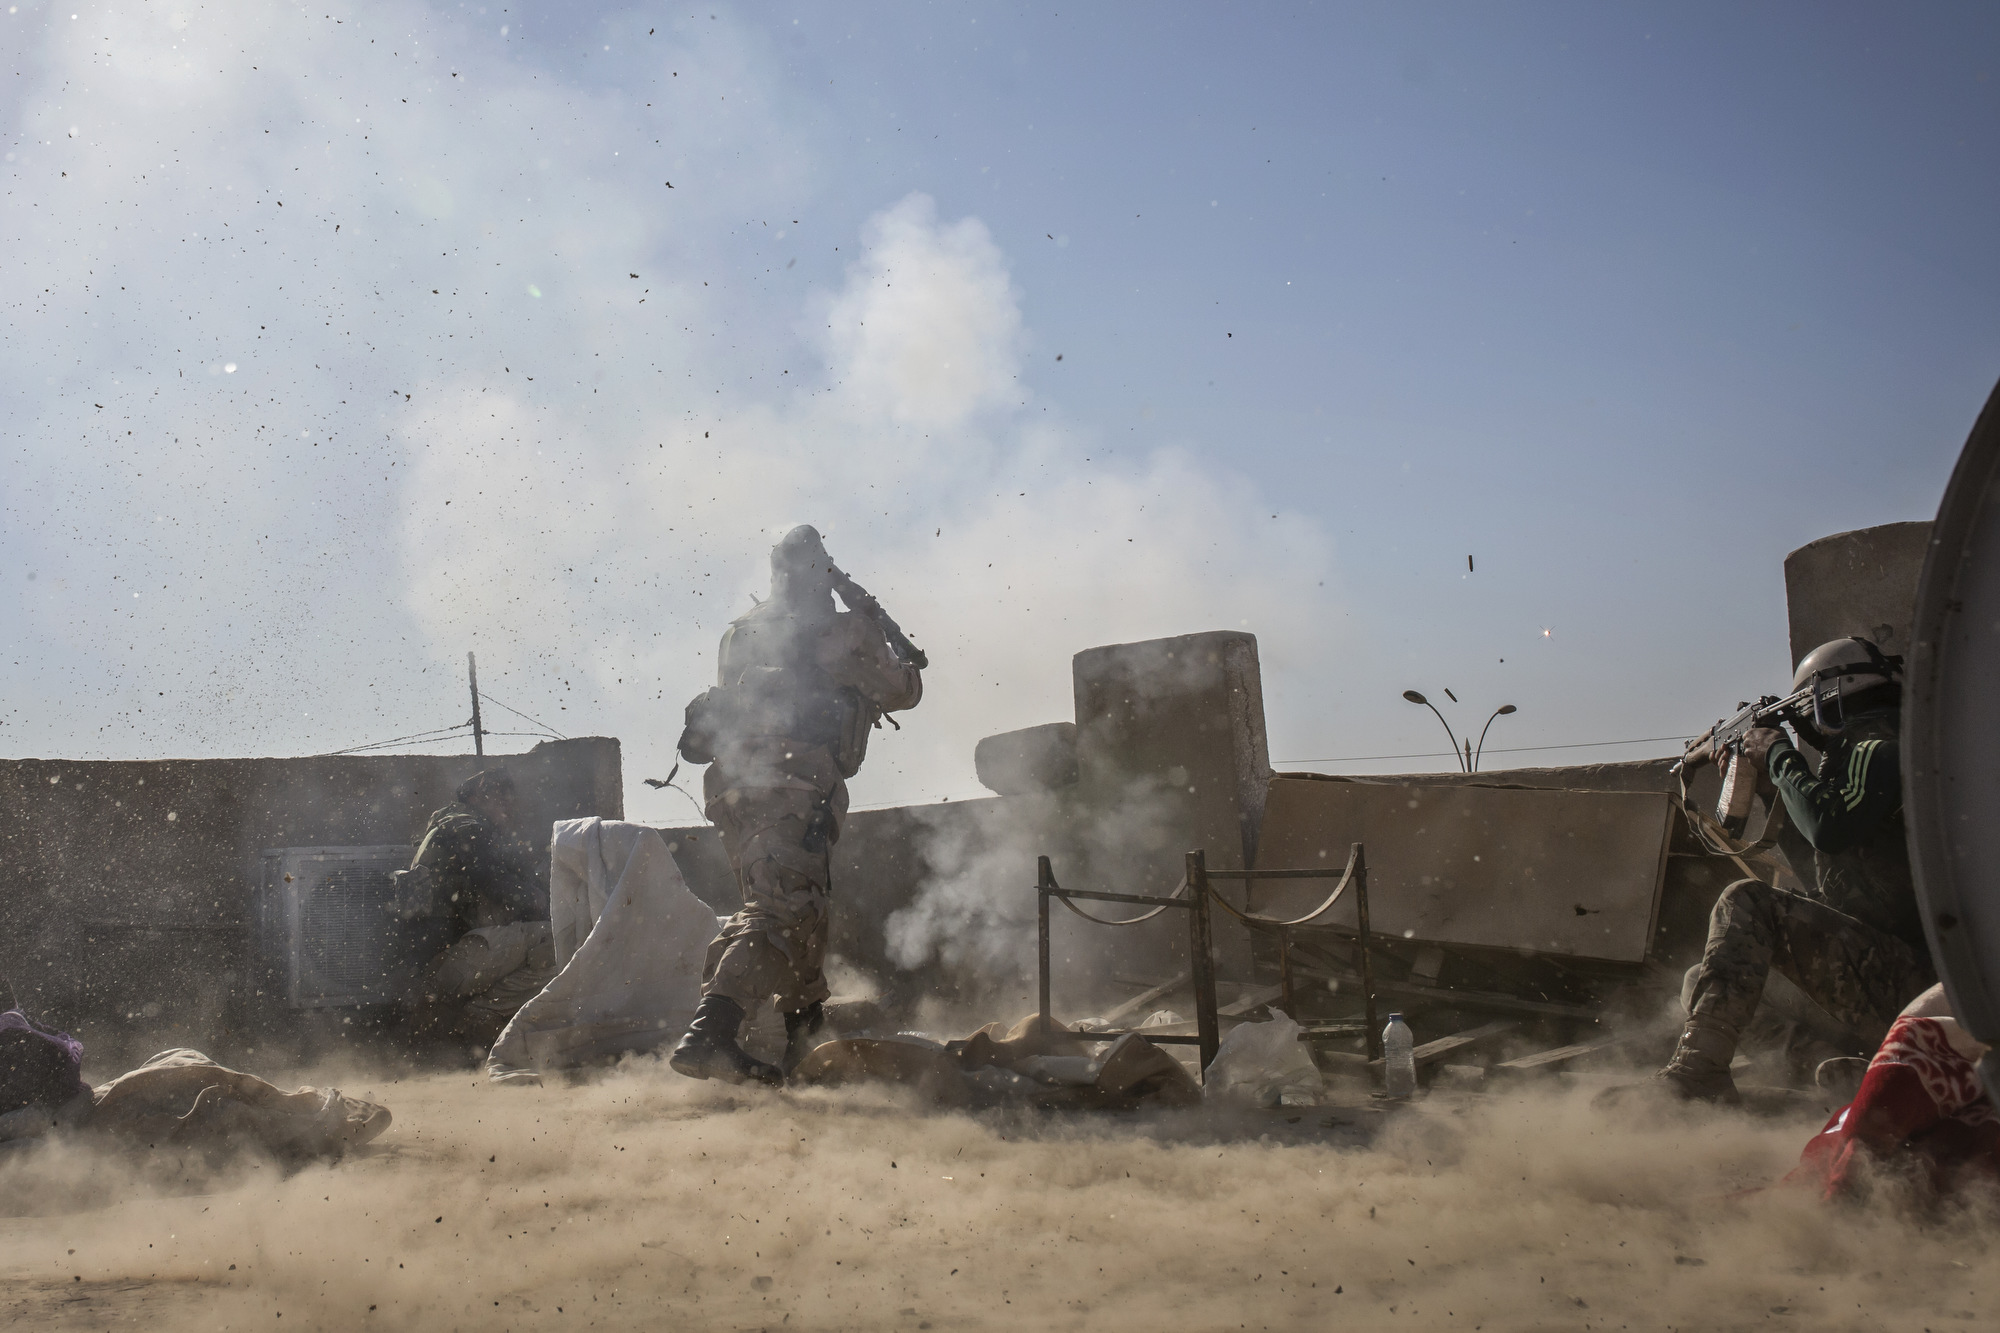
630,939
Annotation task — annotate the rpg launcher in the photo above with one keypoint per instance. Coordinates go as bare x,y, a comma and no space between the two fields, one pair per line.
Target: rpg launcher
858,599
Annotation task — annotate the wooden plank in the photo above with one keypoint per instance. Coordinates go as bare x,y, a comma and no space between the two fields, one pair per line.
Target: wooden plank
1560,1055
1443,1046
1248,1000
1330,1031
1164,1038
1180,1029
1433,1051
1479,999
1142,999
1353,1059
1463,999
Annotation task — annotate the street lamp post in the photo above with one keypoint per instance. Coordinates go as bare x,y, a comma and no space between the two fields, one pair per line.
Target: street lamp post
1501,711
1468,761
1415,698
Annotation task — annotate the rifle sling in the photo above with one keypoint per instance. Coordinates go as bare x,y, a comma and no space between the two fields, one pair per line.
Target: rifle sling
1716,838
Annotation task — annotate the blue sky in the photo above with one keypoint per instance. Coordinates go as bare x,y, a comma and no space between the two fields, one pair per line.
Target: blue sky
1624,302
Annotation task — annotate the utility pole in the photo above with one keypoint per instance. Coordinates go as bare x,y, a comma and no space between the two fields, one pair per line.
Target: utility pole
478,735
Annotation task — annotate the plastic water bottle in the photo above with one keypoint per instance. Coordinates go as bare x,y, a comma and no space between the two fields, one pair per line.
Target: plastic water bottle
1399,1059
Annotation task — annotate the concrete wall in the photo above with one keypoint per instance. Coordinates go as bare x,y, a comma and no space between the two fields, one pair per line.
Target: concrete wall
128,908
1862,583
1694,879
1170,755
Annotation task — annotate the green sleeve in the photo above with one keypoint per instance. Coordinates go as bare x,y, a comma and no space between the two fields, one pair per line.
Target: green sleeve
1863,785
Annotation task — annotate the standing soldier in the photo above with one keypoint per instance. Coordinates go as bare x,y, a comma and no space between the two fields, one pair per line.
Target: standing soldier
800,685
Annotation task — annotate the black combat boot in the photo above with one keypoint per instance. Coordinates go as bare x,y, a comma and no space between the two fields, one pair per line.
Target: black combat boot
709,1049
799,1029
1699,1071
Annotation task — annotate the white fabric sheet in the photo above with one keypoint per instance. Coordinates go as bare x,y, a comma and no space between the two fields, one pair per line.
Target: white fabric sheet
630,939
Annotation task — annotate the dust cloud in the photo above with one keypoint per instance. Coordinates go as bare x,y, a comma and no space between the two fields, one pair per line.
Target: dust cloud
640,1195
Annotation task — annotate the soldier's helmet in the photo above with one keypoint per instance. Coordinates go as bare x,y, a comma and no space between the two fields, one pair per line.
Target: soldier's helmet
486,782
800,550
1855,664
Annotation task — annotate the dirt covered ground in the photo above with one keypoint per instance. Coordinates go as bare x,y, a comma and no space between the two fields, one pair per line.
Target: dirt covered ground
640,1199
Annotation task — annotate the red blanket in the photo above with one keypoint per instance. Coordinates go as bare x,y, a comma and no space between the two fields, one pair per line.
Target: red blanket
1920,1107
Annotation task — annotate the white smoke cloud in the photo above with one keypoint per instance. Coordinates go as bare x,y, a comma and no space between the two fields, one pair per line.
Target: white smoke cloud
1005,549
926,332
457,421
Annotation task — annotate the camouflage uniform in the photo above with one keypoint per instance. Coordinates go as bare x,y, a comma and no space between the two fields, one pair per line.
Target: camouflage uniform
779,800
1855,944
501,953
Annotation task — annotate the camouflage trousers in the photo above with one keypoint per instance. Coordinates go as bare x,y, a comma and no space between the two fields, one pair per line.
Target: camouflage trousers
1860,975
775,945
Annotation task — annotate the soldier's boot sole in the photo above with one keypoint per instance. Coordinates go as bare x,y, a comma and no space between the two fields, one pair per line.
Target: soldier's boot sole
695,1058
1691,1085
1669,1085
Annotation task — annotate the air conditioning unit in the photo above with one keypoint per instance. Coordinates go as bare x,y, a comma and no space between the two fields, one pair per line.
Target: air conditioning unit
327,930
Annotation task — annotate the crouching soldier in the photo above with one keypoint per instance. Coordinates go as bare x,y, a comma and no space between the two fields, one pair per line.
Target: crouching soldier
483,880
800,687
1854,943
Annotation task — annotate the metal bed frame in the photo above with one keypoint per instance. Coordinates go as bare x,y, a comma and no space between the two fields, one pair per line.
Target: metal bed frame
1193,895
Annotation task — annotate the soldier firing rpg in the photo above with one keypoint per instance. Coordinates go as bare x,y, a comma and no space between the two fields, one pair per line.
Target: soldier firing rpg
800,686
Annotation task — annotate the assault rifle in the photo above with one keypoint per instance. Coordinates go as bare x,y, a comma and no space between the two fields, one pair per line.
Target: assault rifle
1814,708
858,599
1722,745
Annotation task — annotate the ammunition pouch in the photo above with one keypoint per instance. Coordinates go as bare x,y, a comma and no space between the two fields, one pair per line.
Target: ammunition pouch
416,894
857,717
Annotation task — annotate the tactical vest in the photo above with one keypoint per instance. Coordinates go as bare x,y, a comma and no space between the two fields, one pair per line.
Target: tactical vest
769,686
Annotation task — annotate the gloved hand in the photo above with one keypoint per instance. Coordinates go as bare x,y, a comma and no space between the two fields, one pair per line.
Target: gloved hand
1757,748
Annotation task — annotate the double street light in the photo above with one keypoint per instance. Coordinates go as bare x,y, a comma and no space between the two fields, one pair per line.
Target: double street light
1469,761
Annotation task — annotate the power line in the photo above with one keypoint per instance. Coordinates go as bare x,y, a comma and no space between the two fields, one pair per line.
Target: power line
417,738
1512,749
547,730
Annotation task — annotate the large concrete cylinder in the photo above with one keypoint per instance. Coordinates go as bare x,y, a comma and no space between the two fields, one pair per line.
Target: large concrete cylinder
1861,583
